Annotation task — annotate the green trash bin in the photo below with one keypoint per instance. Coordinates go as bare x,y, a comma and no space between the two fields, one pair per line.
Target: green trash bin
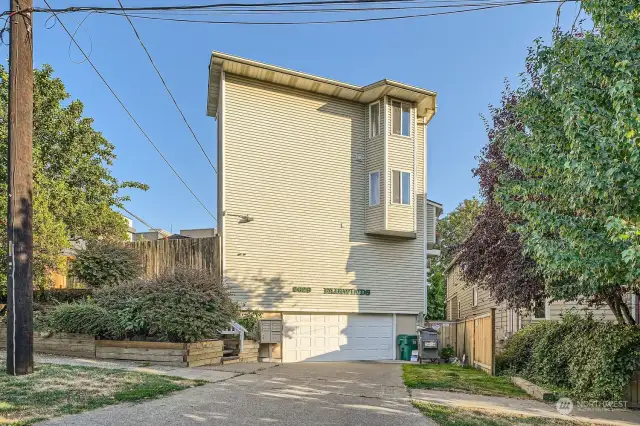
407,343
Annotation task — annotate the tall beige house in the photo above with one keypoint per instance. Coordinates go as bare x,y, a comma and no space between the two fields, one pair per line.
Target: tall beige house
322,205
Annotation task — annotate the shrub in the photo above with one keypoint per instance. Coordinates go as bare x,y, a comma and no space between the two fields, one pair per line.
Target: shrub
184,306
84,317
588,358
61,295
105,264
249,320
447,352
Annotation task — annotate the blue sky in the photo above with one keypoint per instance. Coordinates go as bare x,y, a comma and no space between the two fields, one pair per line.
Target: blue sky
464,58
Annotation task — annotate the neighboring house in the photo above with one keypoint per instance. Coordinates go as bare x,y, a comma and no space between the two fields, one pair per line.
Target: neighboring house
321,205
199,233
151,235
465,301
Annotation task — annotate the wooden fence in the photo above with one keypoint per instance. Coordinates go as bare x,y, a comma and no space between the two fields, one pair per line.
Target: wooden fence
632,392
473,337
159,256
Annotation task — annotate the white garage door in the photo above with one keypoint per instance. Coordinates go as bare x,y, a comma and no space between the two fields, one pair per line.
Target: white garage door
337,337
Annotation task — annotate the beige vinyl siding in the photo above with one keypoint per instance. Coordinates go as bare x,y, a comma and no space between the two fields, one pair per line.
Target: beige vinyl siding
556,309
291,162
401,154
374,159
458,288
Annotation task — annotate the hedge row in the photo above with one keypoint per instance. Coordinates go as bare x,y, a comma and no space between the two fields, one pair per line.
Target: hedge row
185,306
590,359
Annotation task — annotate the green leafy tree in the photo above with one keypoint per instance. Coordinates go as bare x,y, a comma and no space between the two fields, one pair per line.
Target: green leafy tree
436,292
456,226
577,142
74,190
452,230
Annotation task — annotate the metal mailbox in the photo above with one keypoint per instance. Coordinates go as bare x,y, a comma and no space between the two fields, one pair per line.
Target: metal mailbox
270,331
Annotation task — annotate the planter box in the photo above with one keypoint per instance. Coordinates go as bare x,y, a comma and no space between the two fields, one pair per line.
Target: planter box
68,344
207,352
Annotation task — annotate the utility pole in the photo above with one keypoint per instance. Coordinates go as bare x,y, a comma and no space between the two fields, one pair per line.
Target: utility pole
20,179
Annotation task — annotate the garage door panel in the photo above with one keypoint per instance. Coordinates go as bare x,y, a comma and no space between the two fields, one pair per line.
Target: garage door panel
337,337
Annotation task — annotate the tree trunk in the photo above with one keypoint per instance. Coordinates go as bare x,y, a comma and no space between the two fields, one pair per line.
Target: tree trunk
626,313
615,308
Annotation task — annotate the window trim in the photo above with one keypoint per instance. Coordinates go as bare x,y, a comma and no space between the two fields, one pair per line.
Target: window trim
371,135
410,188
379,188
410,117
474,296
459,311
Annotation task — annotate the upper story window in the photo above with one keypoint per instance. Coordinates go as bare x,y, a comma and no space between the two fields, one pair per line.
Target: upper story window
374,119
474,296
401,187
374,188
401,118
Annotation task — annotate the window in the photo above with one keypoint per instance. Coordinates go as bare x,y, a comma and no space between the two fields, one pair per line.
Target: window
540,311
459,313
374,119
374,188
401,118
401,187
474,296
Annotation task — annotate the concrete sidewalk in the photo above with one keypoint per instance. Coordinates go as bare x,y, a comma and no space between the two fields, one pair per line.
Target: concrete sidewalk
523,407
211,373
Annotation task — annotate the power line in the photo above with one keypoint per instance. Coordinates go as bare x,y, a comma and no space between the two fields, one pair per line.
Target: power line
239,5
243,11
135,216
167,89
339,21
128,112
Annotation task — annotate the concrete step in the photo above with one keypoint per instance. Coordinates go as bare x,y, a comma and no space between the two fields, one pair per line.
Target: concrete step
230,360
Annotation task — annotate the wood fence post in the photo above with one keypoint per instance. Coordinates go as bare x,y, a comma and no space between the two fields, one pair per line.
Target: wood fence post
493,341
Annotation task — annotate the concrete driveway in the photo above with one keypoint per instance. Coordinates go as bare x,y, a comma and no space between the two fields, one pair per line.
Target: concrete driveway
289,394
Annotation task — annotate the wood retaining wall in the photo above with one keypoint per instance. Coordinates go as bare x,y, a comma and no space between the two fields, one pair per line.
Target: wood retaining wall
67,344
175,354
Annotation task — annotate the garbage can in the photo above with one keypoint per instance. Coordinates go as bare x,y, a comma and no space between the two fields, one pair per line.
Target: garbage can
407,343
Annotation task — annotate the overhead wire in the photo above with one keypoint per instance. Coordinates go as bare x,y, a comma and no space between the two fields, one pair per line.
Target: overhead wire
164,83
337,21
129,113
187,7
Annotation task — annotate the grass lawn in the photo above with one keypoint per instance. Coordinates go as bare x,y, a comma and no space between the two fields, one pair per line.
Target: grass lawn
449,377
55,390
447,416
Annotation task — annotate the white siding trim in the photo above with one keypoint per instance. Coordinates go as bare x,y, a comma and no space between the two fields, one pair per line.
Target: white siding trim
424,223
393,336
414,195
387,191
221,171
